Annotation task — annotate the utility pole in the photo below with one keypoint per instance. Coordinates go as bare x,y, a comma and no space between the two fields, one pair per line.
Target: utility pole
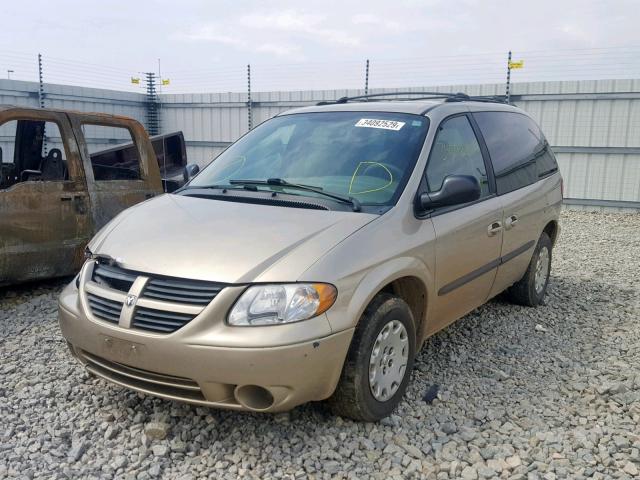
41,102
249,103
153,119
9,72
41,82
366,79
508,94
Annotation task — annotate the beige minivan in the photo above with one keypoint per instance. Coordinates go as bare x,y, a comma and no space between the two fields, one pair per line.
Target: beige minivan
312,258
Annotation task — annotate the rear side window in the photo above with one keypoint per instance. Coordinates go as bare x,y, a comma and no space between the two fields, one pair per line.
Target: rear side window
519,152
546,163
114,155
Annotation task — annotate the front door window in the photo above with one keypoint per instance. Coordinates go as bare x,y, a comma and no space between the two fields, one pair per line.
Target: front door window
456,152
31,150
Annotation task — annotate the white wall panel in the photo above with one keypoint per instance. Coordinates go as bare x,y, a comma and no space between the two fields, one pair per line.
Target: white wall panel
568,121
605,177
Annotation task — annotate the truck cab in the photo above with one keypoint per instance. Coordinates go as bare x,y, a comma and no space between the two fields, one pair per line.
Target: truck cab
64,175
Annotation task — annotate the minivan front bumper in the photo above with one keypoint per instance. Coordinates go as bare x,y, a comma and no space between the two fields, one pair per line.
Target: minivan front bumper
185,368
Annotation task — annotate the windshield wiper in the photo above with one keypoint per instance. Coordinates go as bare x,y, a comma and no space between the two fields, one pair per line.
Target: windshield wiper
279,182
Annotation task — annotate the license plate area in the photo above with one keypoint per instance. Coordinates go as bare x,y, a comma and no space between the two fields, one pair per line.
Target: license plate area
121,351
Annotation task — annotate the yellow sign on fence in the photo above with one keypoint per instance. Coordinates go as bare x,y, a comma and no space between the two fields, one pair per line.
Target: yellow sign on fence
135,80
518,64
165,81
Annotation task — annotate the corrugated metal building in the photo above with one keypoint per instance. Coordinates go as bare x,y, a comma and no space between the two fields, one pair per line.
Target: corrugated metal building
593,126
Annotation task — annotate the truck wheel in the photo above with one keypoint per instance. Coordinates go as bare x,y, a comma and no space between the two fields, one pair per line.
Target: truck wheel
532,287
379,363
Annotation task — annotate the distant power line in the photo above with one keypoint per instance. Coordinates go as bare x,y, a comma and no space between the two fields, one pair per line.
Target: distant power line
463,68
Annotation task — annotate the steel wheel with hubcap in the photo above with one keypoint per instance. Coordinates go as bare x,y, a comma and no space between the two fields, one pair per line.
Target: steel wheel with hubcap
379,362
542,269
388,360
531,289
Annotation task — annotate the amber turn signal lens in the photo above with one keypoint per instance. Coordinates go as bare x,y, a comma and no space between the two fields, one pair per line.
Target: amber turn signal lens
327,294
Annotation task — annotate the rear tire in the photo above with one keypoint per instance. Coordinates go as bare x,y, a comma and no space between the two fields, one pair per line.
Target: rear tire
379,363
532,287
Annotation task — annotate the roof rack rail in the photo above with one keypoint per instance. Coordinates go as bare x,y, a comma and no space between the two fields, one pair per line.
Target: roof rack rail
449,97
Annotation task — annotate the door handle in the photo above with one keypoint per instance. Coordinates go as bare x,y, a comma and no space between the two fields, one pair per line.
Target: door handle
494,228
510,222
78,202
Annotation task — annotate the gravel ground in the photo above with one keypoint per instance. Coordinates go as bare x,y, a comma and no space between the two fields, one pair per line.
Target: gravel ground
552,392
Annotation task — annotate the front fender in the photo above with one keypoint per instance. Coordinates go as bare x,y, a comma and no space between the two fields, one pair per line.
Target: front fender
349,309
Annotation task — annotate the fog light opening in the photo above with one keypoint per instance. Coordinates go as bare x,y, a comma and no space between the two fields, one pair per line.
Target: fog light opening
254,397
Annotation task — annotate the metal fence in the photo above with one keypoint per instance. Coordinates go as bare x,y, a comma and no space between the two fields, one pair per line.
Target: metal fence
26,94
593,126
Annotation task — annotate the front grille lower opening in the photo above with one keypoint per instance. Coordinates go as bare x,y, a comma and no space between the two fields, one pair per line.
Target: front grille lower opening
153,388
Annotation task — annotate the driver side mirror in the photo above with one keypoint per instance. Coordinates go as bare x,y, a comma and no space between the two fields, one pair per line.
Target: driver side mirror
190,171
455,190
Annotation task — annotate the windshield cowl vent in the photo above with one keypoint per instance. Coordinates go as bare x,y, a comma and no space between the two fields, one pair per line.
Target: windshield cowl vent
258,201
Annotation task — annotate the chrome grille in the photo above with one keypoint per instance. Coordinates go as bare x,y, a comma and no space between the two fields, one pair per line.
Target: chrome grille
183,291
159,320
105,309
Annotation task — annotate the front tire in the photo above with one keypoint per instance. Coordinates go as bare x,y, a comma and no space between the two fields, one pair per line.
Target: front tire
531,289
379,363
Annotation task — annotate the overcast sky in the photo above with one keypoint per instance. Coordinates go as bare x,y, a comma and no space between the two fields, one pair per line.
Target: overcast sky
216,39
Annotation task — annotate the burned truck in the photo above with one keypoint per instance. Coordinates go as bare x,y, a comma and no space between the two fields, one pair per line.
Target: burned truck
64,174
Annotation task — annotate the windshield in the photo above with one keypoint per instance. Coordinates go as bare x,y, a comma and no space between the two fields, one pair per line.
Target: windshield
365,155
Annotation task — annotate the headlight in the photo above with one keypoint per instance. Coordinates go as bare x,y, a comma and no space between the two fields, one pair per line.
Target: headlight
277,304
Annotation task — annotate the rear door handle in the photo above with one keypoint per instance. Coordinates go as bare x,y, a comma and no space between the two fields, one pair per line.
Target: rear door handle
510,222
494,228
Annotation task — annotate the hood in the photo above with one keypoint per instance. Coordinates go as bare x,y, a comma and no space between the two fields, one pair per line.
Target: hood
227,242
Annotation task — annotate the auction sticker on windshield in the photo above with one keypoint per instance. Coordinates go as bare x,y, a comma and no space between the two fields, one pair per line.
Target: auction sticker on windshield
385,124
